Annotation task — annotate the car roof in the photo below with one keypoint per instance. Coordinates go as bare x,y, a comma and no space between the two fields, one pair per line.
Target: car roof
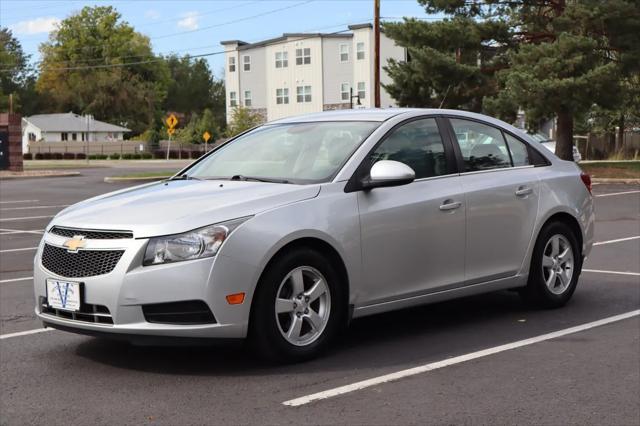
375,114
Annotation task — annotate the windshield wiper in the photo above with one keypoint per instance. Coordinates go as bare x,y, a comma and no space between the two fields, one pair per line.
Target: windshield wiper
257,179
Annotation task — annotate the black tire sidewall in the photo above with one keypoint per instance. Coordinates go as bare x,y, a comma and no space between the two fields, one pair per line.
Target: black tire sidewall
537,289
263,330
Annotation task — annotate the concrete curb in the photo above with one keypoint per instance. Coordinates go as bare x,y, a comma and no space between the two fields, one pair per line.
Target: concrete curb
38,175
629,181
118,179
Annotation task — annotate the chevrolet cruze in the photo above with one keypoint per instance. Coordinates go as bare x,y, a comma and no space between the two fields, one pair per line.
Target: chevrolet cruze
287,232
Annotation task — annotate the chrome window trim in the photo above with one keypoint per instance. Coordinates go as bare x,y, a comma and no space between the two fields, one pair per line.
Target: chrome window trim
501,169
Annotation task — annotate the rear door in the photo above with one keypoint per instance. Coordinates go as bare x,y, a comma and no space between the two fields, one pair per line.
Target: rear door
502,193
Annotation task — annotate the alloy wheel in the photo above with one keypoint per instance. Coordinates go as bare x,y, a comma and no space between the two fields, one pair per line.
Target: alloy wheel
557,264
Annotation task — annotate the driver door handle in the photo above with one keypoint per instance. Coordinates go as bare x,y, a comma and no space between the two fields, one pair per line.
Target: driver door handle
524,191
450,205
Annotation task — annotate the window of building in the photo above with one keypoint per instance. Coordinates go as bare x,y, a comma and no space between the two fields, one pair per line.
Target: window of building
345,92
282,59
246,63
344,53
360,50
32,137
282,96
74,136
64,136
232,64
361,90
303,56
247,98
303,94
416,144
482,146
233,99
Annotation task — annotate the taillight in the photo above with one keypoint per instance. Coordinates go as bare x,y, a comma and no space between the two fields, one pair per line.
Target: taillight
586,179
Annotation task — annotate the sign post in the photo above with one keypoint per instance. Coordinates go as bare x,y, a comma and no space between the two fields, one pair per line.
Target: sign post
171,121
206,136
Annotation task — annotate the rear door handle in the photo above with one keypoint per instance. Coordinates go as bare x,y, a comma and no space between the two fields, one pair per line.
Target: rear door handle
450,205
524,191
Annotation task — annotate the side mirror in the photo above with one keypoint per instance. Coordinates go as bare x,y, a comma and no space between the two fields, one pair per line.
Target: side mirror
389,173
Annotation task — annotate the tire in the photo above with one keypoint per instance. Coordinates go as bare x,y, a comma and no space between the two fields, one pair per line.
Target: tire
549,285
291,336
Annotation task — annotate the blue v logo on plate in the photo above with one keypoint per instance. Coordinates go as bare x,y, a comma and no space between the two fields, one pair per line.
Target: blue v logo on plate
63,295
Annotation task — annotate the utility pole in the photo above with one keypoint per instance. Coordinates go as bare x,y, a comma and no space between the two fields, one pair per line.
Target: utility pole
376,54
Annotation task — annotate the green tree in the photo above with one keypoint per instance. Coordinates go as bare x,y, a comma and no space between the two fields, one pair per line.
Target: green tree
96,63
553,58
243,119
16,75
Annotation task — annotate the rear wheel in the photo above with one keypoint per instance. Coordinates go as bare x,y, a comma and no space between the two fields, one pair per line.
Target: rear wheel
297,307
555,267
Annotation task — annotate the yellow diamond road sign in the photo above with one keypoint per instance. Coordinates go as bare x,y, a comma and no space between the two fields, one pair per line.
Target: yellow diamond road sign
171,131
206,136
172,121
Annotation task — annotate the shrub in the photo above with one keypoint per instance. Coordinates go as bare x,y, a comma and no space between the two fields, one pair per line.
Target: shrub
114,156
39,156
27,156
196,154
173,154
69,156
127,156
146,155
160,154
93,156
81,156
47,156
102,156
136,156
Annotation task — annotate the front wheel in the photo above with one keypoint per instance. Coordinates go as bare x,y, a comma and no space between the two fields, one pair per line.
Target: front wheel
555,267
297,307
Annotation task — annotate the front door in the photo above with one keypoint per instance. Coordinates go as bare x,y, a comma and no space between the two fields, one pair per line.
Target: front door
413,235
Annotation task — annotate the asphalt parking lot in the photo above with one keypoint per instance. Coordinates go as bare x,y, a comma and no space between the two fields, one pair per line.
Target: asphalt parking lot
475,364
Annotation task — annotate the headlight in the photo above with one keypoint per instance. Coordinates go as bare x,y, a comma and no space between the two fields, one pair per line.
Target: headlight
196,244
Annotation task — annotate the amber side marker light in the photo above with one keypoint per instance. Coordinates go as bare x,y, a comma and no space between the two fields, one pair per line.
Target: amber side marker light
235,299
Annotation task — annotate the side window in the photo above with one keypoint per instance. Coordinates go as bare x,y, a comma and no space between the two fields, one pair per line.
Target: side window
418,145
519,152
482,146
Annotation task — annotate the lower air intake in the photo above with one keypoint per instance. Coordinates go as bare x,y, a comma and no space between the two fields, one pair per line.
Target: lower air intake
183,313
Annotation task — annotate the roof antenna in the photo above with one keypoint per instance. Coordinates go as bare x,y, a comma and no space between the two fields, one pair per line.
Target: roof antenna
445,96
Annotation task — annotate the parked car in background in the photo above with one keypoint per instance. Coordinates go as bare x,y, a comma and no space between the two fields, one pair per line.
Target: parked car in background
287,232
550,144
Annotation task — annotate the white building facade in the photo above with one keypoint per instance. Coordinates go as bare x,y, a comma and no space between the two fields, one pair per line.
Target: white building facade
68,127
300,73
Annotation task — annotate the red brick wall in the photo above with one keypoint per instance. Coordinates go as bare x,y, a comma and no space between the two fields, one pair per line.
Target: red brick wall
13,123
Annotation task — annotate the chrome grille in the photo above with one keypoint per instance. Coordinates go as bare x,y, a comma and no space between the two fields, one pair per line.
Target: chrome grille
91,234
84,263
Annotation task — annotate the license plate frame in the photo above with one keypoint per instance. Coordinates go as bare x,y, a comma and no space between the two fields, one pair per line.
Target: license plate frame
64,295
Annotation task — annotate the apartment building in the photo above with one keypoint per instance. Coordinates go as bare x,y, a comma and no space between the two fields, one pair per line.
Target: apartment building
300,73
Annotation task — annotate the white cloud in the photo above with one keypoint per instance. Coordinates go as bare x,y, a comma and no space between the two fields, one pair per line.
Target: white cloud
152,14
36,26
189,21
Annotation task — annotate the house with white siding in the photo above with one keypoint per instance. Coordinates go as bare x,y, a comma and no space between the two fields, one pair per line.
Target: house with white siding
68,127
300,73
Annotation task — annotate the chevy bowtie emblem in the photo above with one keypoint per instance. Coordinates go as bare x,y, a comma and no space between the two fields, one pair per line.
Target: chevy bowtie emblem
75,243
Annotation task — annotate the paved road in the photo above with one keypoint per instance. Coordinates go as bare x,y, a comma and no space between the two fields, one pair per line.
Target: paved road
590,376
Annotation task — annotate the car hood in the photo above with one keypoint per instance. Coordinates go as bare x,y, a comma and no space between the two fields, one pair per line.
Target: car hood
171,207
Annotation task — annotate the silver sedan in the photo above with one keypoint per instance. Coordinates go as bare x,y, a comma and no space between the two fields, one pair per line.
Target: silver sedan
290,230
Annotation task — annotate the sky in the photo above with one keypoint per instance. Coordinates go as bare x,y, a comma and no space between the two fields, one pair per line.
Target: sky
197,26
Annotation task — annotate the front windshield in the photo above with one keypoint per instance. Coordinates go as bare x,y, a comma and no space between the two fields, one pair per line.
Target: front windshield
293,153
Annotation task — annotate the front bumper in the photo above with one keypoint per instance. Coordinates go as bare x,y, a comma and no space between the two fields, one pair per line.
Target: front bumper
130,286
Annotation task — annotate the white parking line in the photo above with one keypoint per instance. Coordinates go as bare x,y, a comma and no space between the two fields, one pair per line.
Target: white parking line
619,240
451,361
13,280
20,231
13,219
33,207
599,271
24,333
19,201
618,193
20,249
